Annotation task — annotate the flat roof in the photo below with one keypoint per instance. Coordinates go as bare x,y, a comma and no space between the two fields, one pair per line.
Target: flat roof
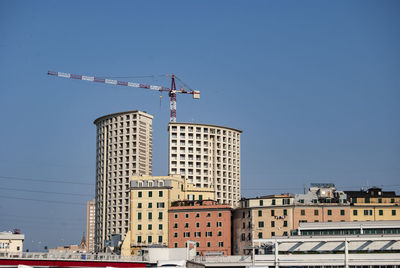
121,113
200,124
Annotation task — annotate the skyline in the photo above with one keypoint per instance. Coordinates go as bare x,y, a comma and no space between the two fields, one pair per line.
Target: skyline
313,86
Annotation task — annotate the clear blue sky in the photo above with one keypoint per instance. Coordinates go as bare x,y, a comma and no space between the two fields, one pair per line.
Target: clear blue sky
314,85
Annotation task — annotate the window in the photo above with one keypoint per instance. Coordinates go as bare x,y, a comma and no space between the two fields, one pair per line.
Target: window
139,239
284,223
160,205
175,225
139,215
220,214
355,212
260,235
208,244
261,202
186,234
197,215
149,227
208,215
367,200
367,212
150,215
303,212
342,212
175,245
197,224
175,234
139,227
220,244
285,212
139,194
272,233
208,234
243,237
160,227
260,224
285,233
393,212
379,200
273,202
139,205
260,213
380,212
208,224
186,215
197,234
160,193
160,215
150,205
219,224
219,233
354,199
149,239
316,212
329,212
392,200
160,239
272,212
272,224
176,216
150,194
186,225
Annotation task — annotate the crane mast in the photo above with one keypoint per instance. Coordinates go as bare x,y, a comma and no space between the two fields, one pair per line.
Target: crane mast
171,91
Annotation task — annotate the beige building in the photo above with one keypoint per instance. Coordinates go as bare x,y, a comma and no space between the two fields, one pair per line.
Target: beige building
151,197
261,217
374,205
90,224
11,243
208,156
123,149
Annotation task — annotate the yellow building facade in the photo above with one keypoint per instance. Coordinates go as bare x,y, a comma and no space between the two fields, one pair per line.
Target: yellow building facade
374,205
150,199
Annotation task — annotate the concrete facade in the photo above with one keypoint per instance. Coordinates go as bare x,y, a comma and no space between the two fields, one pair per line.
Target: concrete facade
206,223
123,149
90,225
208,156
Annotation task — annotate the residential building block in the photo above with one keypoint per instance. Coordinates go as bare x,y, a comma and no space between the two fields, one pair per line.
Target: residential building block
261,217
208,156
150,198
205,222
123,149
90,225
374,205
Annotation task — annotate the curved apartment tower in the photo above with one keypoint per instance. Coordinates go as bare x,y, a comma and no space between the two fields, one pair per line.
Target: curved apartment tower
123,149
208,156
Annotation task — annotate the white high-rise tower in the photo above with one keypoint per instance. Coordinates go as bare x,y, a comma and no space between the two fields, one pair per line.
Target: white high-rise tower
208,156
123,149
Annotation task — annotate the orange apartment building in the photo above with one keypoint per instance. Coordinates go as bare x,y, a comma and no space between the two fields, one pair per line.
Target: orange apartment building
205,222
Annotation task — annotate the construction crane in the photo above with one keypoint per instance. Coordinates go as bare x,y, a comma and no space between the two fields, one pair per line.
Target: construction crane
171,91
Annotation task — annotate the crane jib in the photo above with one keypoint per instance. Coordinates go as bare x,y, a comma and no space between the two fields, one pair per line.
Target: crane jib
172,91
